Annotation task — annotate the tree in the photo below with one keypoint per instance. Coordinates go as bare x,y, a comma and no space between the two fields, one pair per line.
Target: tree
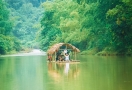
7,40
121,25
88,24
26,23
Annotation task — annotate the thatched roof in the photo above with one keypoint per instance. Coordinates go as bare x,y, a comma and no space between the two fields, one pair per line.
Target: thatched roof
56,47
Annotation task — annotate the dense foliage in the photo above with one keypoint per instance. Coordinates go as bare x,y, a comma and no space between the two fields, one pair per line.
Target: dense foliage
7,41
16,4
96,25
26,23
19,24
90,25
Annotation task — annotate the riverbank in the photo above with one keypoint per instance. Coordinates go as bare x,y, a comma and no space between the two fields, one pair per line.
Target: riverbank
26,53
105,53
27,50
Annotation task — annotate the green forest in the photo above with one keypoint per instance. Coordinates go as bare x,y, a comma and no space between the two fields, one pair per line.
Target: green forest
93,26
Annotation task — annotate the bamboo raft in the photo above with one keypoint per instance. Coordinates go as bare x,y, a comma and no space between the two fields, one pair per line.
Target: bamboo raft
58,50
71,61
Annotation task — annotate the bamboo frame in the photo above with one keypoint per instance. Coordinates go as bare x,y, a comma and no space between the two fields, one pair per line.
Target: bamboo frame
56,47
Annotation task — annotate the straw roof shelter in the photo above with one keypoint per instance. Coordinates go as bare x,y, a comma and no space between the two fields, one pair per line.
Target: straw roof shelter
56,47
61,46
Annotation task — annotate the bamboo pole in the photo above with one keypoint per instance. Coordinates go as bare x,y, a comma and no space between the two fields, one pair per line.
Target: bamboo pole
75,55
51,57
66,46
55,56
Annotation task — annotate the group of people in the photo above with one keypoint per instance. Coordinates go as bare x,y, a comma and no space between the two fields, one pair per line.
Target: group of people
63,56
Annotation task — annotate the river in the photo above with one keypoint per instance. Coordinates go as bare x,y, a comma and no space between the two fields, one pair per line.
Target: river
31,71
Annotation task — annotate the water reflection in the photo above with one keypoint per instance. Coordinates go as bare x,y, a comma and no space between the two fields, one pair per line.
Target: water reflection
21,73
92,73
59,71
53,73
66,68
107,73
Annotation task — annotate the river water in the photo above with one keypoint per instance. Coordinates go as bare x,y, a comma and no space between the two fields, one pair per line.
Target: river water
31,71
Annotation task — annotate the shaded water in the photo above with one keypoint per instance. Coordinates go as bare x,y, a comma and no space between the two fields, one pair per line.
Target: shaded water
33,72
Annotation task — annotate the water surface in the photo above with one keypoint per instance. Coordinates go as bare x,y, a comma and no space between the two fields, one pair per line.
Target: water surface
33,72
